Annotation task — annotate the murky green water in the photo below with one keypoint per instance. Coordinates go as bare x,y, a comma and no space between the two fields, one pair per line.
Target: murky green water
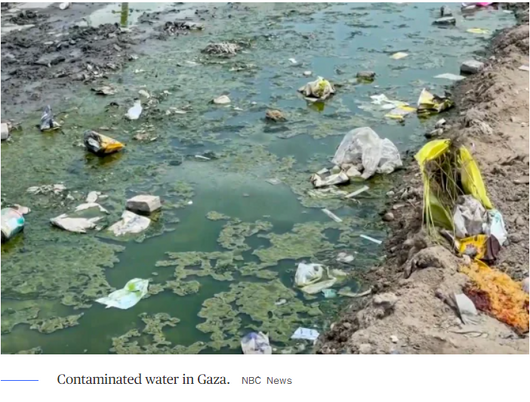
219,278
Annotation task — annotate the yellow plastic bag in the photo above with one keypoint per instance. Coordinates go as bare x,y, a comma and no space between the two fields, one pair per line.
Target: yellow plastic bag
432,104
472,179
431,150
400,112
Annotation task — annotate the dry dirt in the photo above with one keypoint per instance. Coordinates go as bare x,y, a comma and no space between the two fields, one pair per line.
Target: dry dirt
417,315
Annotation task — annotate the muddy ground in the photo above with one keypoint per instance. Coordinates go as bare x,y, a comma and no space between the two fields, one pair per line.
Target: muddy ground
62,49
413,315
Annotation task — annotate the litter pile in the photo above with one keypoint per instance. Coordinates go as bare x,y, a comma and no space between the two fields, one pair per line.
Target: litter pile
455,199
224,49
361,154
317,90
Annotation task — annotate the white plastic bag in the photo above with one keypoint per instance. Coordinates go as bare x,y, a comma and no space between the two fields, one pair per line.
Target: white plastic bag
364,145
305,334
497,228
307,274
127,297
256,344
469,217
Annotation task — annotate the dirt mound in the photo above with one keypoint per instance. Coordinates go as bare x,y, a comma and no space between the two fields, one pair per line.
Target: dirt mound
418,282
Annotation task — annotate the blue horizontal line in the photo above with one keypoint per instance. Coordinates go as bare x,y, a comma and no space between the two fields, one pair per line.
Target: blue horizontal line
19,380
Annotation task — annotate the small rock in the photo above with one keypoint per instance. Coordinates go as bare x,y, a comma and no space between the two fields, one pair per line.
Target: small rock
385,300
520,221
144,204
522,180
471,67
365,349
275,115
222,100
366,75
394,339
516,238
445,21
388,217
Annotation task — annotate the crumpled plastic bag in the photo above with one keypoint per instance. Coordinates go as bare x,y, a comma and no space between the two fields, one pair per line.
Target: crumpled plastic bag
100,144
307,274
365,146
469,217
432,104
130,295
256,344
497,228
319,89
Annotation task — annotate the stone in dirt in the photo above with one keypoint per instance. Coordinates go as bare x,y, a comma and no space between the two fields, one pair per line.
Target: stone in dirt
471,67
144,204
388,217
445,21
130,224
221,100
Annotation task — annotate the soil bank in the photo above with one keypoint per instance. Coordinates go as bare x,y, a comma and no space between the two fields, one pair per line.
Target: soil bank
410,316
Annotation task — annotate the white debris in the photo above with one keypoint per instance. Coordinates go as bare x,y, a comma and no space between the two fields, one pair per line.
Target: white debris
204,158
64,6
451,77
222,100
293,61
274,181
144,93
466,308
135,112
92,196
130,224
363,145
307,73
5,131
306,334
371,239
345,258
89,205
332,215
256,344
129,296
144,204
307,274
333,179
399,55
357,192
523,68
76,225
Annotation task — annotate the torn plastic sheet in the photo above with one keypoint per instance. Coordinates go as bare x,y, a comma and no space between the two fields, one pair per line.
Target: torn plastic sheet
129,296
305,334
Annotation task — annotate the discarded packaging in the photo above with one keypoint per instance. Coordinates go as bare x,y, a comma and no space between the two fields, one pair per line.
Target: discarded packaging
144,93
345,258
346,291
12,223
129,296
445,11
64,6
256,344
525,285
307,274
524,68
451,77
400,112
469,217
90,205
497,228
130,223
320,89
442,163
364,145
432,104
222,100
305,334
100,144
144,204
339,178
399,55
332,215
92,196
135,112
371,239
46,121
318,287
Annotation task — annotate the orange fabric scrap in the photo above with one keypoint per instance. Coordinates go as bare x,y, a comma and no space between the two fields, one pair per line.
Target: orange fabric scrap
508,302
